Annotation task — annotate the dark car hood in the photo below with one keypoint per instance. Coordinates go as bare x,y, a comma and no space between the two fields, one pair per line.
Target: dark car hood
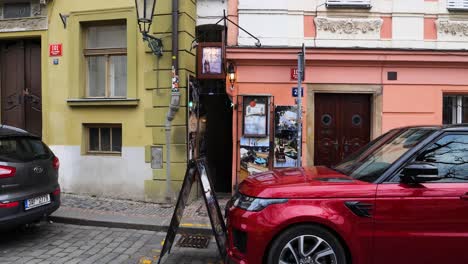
310,182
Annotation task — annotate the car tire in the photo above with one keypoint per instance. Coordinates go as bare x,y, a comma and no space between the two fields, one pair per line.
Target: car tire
311,237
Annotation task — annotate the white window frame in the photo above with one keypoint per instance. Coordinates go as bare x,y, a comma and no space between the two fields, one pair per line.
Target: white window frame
349,4
457,5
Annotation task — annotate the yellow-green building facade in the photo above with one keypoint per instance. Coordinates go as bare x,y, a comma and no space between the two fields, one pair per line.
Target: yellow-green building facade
105,98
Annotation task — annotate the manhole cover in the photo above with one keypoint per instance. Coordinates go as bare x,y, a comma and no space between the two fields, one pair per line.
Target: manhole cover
194,241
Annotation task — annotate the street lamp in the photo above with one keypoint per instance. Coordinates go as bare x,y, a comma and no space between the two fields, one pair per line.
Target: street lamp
231,71
145,11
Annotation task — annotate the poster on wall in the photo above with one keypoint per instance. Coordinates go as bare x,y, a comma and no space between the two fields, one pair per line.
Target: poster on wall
255,116
210,60
255,154
286,133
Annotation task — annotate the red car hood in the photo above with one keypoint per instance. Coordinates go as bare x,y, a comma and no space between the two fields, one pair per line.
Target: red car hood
311,182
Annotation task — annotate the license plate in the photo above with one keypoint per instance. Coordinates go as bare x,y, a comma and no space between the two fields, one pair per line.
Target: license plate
37,201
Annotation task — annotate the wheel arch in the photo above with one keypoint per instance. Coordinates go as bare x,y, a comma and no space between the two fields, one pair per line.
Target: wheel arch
309,223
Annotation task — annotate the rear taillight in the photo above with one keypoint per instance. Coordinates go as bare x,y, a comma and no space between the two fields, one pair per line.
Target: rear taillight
56,192
56,163
9,204
7,172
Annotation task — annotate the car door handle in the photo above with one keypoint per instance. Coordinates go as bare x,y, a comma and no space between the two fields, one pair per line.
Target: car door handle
464,197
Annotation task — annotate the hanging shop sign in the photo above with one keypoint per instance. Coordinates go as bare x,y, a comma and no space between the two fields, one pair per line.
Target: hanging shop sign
55,50
210,61
286,133
196,170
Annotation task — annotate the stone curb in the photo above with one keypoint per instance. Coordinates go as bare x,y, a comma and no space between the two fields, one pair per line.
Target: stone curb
137,226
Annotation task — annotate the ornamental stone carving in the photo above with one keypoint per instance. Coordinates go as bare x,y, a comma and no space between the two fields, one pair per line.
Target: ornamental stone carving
452,30
23,24
348,28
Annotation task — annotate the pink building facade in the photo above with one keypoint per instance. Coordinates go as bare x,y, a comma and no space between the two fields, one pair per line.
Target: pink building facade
406,59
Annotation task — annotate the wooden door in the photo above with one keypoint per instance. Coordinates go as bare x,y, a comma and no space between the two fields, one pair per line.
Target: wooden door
342,126
21,84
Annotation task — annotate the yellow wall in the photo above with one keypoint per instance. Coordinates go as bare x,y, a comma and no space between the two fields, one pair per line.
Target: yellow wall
149,81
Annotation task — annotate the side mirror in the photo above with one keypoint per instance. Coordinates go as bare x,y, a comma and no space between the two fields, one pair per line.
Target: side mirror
419,172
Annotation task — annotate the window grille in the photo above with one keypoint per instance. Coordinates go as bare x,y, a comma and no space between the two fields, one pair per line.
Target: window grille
349,3
457,5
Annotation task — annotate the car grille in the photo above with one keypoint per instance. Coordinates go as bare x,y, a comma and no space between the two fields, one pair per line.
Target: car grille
239,240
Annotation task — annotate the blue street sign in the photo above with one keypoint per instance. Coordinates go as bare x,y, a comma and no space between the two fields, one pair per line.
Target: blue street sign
294,92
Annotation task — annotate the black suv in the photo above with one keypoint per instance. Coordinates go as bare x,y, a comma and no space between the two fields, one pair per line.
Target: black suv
29,188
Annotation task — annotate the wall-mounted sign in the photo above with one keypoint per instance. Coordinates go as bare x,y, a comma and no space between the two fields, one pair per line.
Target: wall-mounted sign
286,134
295,73
255,116
210,60
55,50
295,92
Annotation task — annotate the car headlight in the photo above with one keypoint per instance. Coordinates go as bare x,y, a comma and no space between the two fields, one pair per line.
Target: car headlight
255,204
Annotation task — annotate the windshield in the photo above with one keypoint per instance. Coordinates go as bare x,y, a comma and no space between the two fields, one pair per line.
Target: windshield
375,158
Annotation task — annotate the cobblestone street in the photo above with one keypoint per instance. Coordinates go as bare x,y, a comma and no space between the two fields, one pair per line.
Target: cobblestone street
63,243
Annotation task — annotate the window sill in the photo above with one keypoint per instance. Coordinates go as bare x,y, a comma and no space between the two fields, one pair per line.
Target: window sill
103,102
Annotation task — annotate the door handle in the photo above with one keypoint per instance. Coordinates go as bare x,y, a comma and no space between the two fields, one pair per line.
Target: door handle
464,197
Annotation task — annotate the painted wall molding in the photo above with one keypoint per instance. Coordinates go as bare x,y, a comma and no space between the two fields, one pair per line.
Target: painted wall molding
349,28
452,30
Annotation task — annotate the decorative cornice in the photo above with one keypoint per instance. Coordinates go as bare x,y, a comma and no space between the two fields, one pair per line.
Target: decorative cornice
23,24
349,26
453,28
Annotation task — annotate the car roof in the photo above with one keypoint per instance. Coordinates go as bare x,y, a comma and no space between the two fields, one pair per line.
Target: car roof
453,127
8,131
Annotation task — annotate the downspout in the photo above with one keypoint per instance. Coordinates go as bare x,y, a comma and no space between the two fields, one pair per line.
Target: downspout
175,96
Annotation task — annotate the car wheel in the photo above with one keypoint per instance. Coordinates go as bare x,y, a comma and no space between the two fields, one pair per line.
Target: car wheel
306,244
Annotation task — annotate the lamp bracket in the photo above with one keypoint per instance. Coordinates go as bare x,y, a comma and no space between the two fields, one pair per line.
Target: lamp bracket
154,43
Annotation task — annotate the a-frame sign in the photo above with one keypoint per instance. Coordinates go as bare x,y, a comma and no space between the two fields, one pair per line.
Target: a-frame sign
196,170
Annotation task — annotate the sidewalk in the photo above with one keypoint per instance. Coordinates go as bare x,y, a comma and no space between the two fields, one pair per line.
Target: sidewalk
93,211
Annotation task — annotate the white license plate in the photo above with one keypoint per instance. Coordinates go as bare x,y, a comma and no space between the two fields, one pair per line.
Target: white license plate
37,201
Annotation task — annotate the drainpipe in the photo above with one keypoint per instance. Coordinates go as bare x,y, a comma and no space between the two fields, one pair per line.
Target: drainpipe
175,96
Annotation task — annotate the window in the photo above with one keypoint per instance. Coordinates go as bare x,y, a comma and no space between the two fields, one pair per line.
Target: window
16,10
104,139
450,156
23,149
455,109
457,5
106,60
348,3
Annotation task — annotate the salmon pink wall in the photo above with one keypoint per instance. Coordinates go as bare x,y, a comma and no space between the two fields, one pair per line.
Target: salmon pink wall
387,30
309,27
430,30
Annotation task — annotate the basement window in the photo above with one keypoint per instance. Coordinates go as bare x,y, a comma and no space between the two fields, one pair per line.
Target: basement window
104,139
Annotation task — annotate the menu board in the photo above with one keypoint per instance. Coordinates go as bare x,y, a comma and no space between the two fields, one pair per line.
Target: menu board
178,211
212,206
196,170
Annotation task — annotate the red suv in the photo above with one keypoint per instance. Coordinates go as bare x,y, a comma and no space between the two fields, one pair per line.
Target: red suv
403,198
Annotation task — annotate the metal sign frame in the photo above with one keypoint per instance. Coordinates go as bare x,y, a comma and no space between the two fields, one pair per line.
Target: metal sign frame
197,170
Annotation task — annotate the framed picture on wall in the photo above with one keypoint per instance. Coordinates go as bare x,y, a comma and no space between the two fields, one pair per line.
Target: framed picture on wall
255,116
210,62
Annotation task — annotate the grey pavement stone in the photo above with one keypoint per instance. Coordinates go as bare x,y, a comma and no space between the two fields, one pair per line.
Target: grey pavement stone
58,250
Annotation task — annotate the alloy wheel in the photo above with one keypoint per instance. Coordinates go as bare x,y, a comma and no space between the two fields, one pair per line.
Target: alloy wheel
307,249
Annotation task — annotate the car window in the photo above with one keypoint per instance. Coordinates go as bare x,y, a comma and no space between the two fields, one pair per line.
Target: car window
371,162
450,155
22,149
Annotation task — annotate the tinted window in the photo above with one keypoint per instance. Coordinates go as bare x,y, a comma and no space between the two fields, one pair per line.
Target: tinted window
450,156
20,149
